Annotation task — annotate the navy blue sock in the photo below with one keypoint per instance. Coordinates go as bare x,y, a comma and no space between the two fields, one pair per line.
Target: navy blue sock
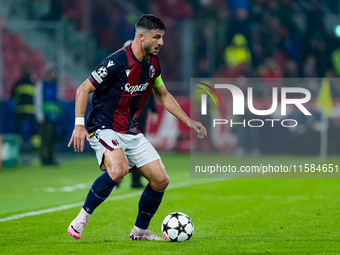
147,207
99,191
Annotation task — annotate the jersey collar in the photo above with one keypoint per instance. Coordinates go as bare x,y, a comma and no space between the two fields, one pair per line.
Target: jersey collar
134,57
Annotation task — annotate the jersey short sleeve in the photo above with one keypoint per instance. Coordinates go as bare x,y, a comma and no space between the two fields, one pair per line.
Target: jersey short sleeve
106,72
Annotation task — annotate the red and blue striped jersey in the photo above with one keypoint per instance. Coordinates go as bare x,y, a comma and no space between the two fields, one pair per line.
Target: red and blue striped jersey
123,84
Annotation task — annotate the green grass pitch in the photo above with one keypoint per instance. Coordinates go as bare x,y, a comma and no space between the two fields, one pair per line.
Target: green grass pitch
233,216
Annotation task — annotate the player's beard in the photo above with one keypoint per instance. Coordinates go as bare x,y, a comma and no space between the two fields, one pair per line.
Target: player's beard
149,50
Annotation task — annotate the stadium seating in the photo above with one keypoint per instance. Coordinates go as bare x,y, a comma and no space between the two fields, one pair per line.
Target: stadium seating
15,52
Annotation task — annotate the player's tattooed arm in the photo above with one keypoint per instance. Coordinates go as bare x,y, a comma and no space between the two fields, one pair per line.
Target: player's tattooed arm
171,105
79,132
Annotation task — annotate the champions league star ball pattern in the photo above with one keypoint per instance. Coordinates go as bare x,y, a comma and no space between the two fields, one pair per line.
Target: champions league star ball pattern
102,71
177,227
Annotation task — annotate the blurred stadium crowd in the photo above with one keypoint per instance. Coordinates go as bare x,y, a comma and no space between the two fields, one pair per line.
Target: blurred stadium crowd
205,38
261,34
254,38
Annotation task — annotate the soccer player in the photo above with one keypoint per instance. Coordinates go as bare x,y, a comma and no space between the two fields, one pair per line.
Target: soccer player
121,84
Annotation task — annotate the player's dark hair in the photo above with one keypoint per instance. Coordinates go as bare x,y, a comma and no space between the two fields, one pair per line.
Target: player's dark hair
150,22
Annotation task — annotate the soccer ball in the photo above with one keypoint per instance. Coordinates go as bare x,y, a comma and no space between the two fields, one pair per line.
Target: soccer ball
177,227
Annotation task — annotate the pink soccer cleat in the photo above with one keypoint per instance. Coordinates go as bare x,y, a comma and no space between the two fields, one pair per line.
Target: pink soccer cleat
76,228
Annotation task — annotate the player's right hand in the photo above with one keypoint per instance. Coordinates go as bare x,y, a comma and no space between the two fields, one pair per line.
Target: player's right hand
78,137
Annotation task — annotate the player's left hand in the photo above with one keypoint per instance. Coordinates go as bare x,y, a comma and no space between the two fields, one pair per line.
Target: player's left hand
199,128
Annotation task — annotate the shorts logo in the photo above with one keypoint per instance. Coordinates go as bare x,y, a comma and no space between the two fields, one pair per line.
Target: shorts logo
115,142
152,71
102,71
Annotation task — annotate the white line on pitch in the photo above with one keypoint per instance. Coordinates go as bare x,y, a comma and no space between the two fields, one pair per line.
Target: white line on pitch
67,188
120,197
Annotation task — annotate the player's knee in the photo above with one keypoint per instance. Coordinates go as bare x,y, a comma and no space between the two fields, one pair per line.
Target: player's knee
161,184
117,173
165,183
